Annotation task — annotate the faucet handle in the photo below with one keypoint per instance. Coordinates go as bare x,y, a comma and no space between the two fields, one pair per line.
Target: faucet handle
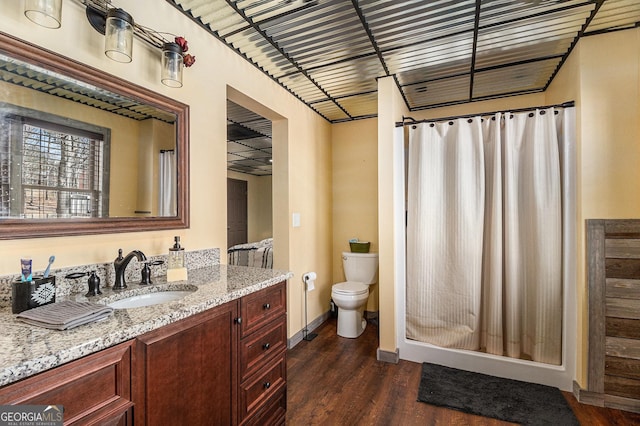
146,271
119,254
93,282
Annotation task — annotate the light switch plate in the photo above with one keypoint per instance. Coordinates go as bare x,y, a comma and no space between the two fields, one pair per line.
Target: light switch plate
296,220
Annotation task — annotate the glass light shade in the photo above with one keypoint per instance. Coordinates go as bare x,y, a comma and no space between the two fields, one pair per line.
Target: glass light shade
47,13
118,36
172,64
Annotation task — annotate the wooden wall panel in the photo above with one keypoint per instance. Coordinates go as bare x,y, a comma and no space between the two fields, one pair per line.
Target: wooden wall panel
621,386
622,248
622,308
622,268
622,288
622,367
625,348
613,269
596,276
622,327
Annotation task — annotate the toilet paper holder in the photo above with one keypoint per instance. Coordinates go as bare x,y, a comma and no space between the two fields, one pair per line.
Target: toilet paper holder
308,279
309,276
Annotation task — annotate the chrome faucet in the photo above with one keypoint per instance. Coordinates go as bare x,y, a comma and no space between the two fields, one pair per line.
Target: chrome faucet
120,265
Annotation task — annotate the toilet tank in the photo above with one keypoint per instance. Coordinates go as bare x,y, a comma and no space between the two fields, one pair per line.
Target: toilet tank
360,267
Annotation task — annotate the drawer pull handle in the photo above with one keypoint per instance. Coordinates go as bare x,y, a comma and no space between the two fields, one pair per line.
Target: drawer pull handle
266,306
266,346
267,385
238,320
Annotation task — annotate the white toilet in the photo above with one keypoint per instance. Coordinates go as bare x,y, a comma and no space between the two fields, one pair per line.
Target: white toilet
361,270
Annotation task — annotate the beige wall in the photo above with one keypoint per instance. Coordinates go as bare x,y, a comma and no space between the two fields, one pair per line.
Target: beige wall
302,154
603,76
355,192
391,108
259,205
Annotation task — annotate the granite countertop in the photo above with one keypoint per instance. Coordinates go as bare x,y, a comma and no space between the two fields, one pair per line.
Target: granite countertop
26,350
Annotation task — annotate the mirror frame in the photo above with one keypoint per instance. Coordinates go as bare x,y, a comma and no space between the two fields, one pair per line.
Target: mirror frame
12,228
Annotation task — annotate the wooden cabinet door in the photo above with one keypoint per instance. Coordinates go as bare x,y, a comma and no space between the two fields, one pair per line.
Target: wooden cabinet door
186,371
95,389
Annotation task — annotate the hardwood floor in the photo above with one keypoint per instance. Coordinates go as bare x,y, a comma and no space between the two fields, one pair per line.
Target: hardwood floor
336,381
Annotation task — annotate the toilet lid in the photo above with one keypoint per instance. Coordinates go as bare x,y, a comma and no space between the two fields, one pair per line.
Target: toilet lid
350,288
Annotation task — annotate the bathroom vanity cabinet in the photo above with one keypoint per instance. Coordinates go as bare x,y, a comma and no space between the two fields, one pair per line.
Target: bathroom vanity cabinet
93,390
226,365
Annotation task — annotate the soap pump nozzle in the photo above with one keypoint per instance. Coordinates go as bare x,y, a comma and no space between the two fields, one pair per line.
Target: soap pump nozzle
176,244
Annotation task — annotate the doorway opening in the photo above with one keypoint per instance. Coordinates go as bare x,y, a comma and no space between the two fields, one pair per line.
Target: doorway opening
249,187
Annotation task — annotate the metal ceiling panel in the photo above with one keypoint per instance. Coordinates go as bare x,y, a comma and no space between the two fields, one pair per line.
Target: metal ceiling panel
532,37
521,53
495,12
263,10
616,14
435,59
329,53
249,144
303,87
216,14
348,78
365,105
448,90
320,35
399,24
261,52
330,111
52,83
519,78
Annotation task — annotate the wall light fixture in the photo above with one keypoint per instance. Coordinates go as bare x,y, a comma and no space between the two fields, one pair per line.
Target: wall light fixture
118,36
119,27
47,13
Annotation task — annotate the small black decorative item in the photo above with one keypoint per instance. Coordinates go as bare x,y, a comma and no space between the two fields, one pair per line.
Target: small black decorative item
31,294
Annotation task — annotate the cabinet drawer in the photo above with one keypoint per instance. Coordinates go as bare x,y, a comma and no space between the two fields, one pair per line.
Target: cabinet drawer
259,308
274,412
260,346
91,390
255,392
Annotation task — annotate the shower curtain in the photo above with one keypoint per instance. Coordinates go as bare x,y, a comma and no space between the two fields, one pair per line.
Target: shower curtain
484,234
167,200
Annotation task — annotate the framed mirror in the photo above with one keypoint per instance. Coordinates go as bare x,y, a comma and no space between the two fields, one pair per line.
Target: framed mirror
84,152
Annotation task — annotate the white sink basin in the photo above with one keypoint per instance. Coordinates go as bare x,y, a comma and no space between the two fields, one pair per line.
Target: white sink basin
149,299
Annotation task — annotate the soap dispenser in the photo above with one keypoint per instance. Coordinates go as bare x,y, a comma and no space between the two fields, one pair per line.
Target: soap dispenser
176,270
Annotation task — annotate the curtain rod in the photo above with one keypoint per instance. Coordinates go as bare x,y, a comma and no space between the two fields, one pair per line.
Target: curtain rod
162,151
430,120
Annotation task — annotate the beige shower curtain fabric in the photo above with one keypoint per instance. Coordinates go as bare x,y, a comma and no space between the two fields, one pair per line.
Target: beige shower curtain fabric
484,234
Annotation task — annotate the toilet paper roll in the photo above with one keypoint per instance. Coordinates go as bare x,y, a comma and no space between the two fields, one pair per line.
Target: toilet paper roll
309,280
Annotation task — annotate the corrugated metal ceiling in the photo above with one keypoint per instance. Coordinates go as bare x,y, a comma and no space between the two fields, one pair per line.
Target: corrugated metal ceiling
43,80
329,53
248,141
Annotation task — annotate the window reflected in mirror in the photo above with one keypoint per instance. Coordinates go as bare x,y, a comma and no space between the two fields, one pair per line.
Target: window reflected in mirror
57,171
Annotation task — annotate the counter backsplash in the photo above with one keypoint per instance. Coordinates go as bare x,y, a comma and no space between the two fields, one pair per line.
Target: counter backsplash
64,287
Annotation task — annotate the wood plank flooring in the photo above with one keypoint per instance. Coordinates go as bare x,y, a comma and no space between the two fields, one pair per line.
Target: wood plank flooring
336,381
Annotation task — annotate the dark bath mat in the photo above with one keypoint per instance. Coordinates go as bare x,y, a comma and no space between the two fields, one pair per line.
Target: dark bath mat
489,396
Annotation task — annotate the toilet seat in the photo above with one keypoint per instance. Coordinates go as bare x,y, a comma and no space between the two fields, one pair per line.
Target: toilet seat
350,288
